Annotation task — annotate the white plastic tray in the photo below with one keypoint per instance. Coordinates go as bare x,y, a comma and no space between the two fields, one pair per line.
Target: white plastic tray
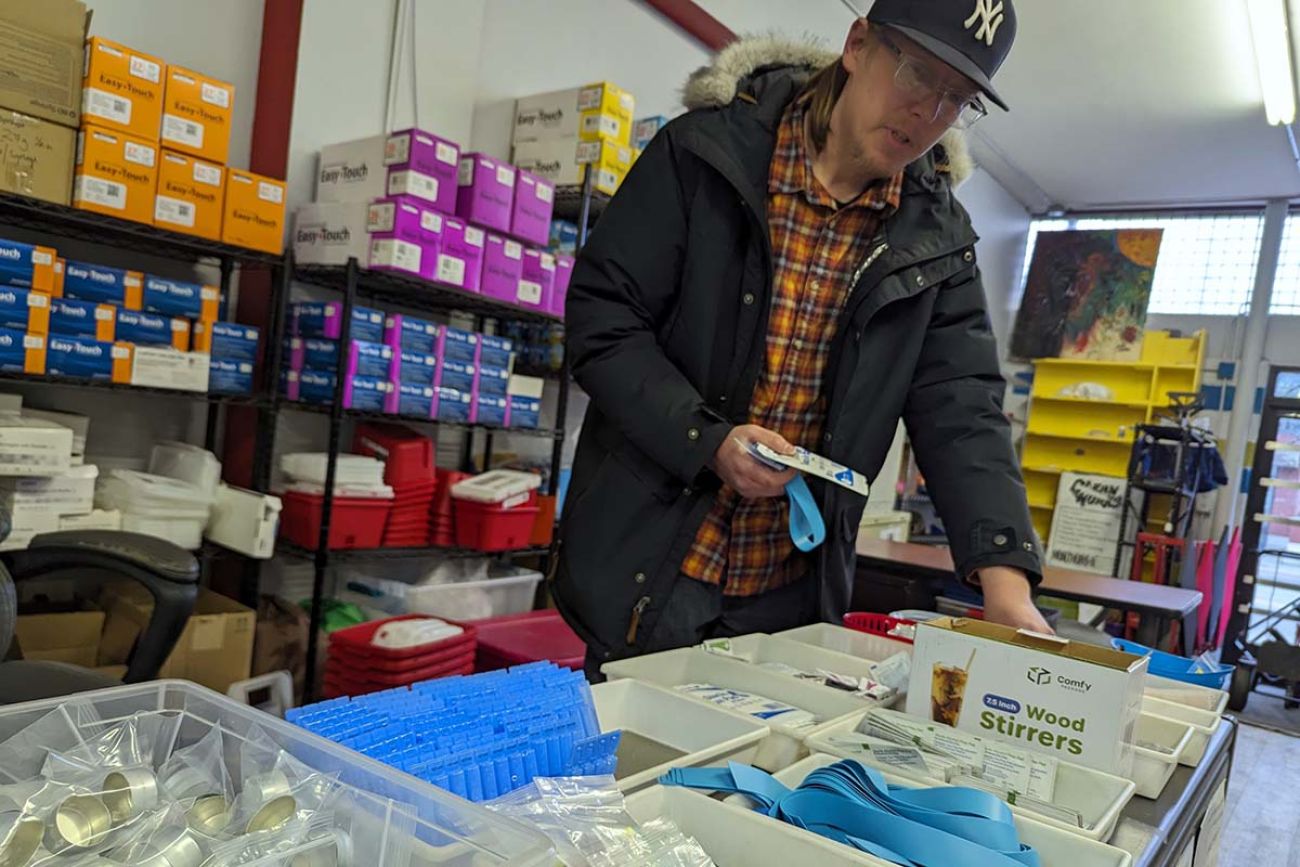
692,665
1203,724
1055,848
844,640
708,736
761,648
1152,769
733,835
1097,796
1200,697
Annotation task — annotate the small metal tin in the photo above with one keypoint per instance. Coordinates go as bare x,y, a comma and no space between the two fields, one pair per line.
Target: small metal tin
130,792
272,815
185,783
334,849
79,822
210,814
266,787
20,838
182,850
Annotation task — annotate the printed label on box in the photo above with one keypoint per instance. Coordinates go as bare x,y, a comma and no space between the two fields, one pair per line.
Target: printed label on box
473,236
270,192
545,193
110,194
210,175
530,292
451,269
445,153
146,69
215,95
430,222
395,253
505,176
514,250
140,154
397,149
465,174
181,130
169,210
413,183
101,103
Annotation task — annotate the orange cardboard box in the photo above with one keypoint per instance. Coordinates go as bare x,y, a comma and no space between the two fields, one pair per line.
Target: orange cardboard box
254,212
117,174
60,264
196,114
191,196
123,89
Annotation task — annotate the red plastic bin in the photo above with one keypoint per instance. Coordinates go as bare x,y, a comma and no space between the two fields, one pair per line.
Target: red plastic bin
488,527
358,522
516,639
877,624
408,455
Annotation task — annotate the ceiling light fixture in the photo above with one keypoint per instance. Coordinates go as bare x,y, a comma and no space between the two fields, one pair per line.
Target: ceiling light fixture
1268,28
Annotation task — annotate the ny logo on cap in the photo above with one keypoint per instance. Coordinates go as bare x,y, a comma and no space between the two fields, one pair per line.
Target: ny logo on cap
990,18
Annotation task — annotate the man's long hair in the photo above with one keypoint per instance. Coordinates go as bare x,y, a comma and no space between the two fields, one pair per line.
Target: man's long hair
822,92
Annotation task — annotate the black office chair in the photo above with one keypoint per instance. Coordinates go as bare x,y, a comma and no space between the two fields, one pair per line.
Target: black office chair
168,572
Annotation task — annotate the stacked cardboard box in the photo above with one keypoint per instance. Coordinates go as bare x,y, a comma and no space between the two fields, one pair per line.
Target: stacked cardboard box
559,133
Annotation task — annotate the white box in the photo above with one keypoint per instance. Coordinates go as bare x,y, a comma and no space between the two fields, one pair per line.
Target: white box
33,447
1074,701
99,519
331,233
27,526
352,171
164,367
79,424
29,518
69,493
556,161
560,114
244,521
525,386
11,403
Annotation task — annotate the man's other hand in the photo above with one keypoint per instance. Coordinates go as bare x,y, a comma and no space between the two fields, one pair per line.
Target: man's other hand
1007,600
745,474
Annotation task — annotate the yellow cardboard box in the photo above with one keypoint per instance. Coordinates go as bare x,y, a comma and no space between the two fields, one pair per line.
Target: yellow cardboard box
191,195
36,157
71,637
117,174
254,214
41,43
123,88
196,114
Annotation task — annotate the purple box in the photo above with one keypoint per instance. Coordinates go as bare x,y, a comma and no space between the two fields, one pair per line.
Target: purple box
460,259
438,158
487,191
530,218
563,274
404,217
503,263
537,283
364,358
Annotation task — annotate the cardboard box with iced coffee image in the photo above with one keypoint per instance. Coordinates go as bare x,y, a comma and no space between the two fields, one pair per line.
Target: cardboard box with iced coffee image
1075,701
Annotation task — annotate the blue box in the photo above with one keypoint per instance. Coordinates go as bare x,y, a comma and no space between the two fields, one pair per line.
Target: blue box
455,405
87,282
324,319
228,376
416,400
406,332
150,329
493,380
227,340
364,358
310,386
75,318
490,409
495,351
179,298
458,345
21,352
414,368
82,357
525,412
366,393
24,311
456,374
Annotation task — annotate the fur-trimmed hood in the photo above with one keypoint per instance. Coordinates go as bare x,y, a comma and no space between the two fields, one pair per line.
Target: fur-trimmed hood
716,85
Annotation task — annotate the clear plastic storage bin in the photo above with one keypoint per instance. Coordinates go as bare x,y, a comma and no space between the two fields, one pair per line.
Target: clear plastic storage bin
844,640
507,590
396,820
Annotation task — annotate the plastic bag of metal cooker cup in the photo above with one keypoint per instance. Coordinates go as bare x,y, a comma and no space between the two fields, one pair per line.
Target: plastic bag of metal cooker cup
92,813
144,740
307,840
276,787
197,778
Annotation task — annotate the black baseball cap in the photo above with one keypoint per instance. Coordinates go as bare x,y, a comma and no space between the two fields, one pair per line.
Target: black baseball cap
971,36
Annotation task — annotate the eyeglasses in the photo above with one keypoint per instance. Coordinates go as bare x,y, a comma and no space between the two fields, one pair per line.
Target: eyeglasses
918,81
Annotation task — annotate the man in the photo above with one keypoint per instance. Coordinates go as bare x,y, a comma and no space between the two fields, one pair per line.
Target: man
786,265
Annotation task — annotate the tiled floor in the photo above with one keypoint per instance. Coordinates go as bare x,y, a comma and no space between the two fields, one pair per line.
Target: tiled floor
1261,822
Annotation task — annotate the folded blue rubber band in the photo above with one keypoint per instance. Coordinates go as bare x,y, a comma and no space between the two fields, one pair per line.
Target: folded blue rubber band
852,804
807,529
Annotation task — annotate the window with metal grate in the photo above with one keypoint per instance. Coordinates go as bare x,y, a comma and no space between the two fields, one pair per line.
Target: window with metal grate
1286,286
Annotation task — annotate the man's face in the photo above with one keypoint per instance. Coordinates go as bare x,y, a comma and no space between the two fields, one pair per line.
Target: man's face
889,117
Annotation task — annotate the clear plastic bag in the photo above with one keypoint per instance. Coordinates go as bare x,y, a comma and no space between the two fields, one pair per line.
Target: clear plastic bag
585,819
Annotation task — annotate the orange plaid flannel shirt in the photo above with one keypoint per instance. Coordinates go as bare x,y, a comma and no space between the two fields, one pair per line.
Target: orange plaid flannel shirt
816,247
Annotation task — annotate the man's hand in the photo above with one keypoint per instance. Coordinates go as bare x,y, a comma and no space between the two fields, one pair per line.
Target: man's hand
1007,600
750,478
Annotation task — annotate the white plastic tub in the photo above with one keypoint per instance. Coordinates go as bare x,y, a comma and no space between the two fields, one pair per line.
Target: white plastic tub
476,600
1097,796
733,835
186,533
1202,722
692,665
705,735
1055,848
844,640
761,648
1153,768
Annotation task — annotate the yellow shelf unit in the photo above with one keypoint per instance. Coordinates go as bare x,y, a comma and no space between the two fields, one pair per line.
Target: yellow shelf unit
1073,434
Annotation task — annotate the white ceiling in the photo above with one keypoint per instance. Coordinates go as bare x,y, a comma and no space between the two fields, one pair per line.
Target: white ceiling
1134,102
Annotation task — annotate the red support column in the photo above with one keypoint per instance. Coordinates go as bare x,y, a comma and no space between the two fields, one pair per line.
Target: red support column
711,32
